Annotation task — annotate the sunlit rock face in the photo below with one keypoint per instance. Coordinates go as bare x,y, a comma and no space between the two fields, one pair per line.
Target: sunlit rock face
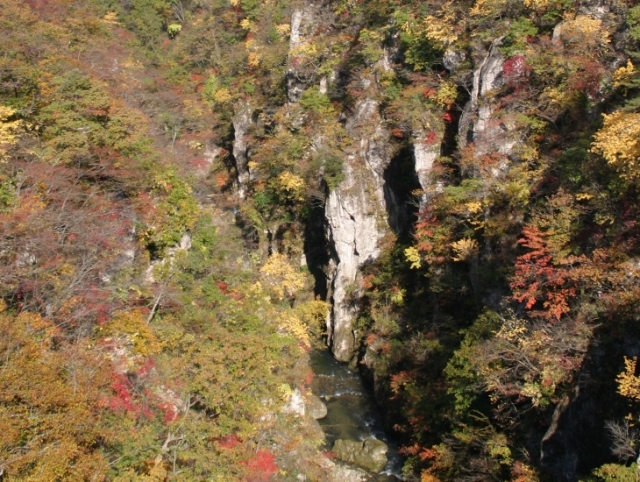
305,19
356,219
241,123
357,211
424,155
480,125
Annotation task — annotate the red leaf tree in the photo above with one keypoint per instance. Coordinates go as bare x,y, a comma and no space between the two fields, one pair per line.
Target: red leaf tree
544,283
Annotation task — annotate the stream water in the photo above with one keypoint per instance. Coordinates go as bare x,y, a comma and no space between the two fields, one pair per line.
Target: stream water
352,414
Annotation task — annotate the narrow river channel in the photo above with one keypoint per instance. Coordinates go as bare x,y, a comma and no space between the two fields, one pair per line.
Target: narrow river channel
352,413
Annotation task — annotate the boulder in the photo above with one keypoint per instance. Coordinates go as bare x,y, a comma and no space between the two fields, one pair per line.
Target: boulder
341,473
315,407
302,405
370,454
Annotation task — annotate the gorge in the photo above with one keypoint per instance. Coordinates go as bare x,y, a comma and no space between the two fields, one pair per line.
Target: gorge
416,222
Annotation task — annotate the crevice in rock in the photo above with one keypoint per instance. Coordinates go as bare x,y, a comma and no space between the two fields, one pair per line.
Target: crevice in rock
400,180
316,249
250,235
450,141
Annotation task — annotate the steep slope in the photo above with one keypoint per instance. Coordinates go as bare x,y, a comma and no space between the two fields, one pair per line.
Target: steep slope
214,140
128,350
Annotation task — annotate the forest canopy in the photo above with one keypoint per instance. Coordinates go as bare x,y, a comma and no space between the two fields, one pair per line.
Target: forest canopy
168,258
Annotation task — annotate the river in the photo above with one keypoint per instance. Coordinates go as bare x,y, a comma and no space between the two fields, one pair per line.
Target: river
352,413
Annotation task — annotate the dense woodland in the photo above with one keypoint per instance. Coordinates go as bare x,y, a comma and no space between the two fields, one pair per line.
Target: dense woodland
155,315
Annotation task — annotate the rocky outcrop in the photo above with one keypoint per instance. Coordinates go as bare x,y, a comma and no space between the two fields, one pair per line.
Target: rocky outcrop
360,210
341,473
356,213
480,125
301,72
209,156
295,405
295,84
370,454
302,405
241,124
354,236
315,407
183,245
424,155
453,59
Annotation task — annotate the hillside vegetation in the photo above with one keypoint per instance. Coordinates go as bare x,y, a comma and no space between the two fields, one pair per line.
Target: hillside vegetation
167,258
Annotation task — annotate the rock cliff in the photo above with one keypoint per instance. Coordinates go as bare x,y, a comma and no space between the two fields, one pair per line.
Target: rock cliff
479,125
355,211
241,124
356,221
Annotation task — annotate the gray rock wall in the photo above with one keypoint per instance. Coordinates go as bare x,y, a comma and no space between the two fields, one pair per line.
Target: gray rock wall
479,125
241,124
356,213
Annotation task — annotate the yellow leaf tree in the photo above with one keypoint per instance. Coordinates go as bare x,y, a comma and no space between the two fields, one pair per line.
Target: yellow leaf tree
52,425
282,279
8,130
618,142
628,382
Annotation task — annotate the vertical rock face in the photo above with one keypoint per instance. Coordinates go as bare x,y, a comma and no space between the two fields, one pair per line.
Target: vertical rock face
354,236
478,124
355,213
424,156
294,87
303,22
241,123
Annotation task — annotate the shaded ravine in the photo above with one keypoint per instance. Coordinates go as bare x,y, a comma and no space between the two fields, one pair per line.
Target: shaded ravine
351,411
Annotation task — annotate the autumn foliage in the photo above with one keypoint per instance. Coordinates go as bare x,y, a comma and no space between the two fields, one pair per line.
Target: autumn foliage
537,279
125,354
164,165
261,467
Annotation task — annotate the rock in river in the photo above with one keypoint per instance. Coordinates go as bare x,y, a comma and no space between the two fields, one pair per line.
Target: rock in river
370,454
315,407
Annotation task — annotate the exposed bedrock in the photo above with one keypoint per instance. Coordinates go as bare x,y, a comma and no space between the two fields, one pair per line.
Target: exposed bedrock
364,207
360,212
480,125
356,221
241,123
